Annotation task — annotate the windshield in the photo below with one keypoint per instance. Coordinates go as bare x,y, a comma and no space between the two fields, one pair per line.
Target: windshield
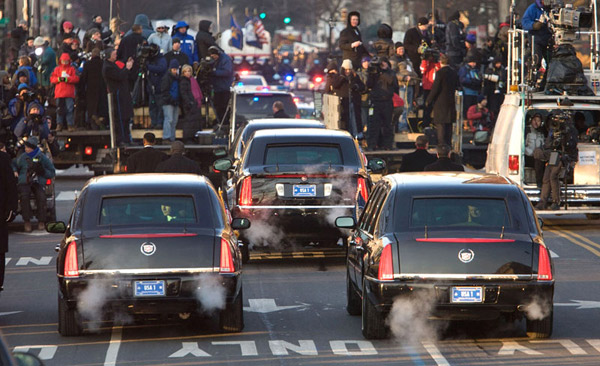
153,210
303,155
442,212
251,81
260,106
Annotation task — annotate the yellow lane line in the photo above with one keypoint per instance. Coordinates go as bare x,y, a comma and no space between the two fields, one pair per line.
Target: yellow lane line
575,241
582,238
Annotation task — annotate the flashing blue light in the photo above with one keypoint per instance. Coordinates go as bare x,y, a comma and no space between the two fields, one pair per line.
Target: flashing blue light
256,99
240,84
289,78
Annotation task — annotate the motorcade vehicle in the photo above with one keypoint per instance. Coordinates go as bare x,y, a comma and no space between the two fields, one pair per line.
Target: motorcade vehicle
301,81
148,244
293,181
469,243
251,82
306,110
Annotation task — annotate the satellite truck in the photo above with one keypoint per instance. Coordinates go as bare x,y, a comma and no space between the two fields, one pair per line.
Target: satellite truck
567,92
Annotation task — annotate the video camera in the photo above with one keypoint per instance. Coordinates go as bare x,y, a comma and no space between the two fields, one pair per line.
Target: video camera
374,65
29,96
144,52
564,21
564,134
205,70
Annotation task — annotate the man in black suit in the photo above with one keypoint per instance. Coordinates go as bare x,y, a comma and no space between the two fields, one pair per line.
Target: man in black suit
146,160
178,163
8,205
441,97
444,164
417,160
279,111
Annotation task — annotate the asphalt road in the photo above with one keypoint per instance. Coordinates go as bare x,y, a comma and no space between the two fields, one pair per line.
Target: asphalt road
295,315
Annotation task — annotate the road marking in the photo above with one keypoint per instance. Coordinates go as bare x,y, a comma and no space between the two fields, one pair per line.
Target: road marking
67,195
553,254
594,343
43,261
509,348
47,352
10,313
582,238
113,348
187,348
305,347
414,355
581,304
264,306
571,346
248,348
365,348
575,241
435,353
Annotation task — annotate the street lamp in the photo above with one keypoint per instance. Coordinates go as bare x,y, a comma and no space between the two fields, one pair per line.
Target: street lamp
331,21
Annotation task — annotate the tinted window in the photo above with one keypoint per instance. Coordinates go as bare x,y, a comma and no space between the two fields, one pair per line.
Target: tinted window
261,105
251,81
439,212
153,210
303,154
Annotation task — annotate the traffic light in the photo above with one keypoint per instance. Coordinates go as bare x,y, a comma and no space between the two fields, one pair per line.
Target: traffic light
287,20
263,15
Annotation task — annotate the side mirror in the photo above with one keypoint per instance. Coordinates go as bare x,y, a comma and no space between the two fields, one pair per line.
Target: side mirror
376,165
56,227
220,152
26,359
345,222
222,165
240,224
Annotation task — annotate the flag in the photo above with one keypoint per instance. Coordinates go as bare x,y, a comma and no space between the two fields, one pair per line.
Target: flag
251,37
237,37
260,31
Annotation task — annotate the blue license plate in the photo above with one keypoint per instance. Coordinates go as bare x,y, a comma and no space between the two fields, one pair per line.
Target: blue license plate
149,288
304,190
467,294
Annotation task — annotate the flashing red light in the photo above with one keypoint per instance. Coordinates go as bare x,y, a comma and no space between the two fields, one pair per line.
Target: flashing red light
88,150
244,72
296,100
71,263
544,267
513,164
48,182
386,268
246,192
226,264
106,146
67,146
318,79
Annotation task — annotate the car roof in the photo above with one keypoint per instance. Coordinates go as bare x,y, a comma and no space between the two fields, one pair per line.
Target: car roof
302,132
133,183
451,182
264,93
283,121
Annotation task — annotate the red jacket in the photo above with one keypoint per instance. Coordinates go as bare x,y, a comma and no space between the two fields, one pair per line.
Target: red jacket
64,89
428,70
478,118
398,102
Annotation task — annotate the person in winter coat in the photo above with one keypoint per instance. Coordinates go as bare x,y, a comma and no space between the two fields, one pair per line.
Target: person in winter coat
25,65
47,61
94,91
442,98
147,159
176,53
384,46
204,38
443,163
128,50
222,78
479,116
350,41
535,21
471,81
116,77
66,31
414,39
161,38
408,80
190,103
456,50
33,123
348,87
143,21
170,101
18,106
64,77
28,49
94,40
105,32
8,206
438,31
33,169
417,160
157,67
18,36
383,84
494,86
535,136
188,45
429,66
178,163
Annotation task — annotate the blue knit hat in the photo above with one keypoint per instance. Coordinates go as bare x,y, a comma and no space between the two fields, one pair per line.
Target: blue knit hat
22,86
471,38
174,64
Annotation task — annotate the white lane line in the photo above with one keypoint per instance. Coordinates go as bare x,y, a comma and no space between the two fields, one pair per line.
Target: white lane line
553,254
113,348
66,196
435,353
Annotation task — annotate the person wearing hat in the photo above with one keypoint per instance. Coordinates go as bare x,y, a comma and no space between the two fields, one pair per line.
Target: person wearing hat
494,86
383,84
471,81
384,46
66,31
147,159
441,97
33,170
363,74
144,22
178,163
94,40
25,66
350,93
161,37
28,49
333,79
19,105
47,61
408,79
204,38
535,22
105,32
221,79
116,79
170,101
350,41
188,44
93,88
176,53
33,123
414,38
64,77
18,36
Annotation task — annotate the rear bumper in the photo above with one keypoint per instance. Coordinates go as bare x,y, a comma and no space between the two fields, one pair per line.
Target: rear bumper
499,297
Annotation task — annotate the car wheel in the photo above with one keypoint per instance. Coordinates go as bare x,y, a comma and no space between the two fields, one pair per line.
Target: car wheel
353,305
231,318
373,322
245,253
592,216
537,329
69,320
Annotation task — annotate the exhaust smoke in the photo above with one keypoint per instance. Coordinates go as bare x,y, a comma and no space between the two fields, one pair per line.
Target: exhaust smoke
409,318
210,293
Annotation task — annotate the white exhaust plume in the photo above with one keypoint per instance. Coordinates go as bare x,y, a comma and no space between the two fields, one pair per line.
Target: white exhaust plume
409,318
538,308
210,293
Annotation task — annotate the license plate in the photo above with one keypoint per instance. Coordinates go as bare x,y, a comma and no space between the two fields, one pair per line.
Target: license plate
467,294
304,190
149,288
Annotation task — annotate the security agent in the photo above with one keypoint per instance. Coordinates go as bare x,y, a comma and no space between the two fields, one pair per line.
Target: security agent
444,164
417,160
560,151
222,77
147,159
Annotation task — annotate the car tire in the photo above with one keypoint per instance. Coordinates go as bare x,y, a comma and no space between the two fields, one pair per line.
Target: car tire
538,329
231,318
245,253
69,320
353,304
373,322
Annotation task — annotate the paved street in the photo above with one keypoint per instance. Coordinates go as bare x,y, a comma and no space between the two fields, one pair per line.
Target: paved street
295,315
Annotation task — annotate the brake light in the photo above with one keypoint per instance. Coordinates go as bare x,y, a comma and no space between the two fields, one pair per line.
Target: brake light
362,188
226,263
318,79
106,146
296,100
88,150
386,268
246,192
71,263
48,182
513,164
544,267
67,146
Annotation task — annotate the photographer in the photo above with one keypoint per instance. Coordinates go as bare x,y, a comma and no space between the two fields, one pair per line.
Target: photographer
18,106
348,87
479,116
156,65
33,124
95,40
535,135
414,38
93,88
64,77
383,84
494,86
33,169
408,80
560,150
535,21
222,77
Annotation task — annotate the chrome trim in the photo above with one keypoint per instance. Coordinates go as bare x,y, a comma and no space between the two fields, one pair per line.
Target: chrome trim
144,271
294,207
431,276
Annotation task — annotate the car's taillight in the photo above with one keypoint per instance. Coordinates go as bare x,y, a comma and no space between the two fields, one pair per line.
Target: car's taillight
88,150
226,263
513,164
544,267
71,263
48,181
318,79
386,268
246,192
362,188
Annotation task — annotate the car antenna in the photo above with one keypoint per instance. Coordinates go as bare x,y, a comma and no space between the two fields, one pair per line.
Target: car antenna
426,235
110,228
502,233
277,166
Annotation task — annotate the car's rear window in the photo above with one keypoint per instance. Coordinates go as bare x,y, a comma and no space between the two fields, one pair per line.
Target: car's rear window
152,210
303,155
261,105
251,81
467,211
